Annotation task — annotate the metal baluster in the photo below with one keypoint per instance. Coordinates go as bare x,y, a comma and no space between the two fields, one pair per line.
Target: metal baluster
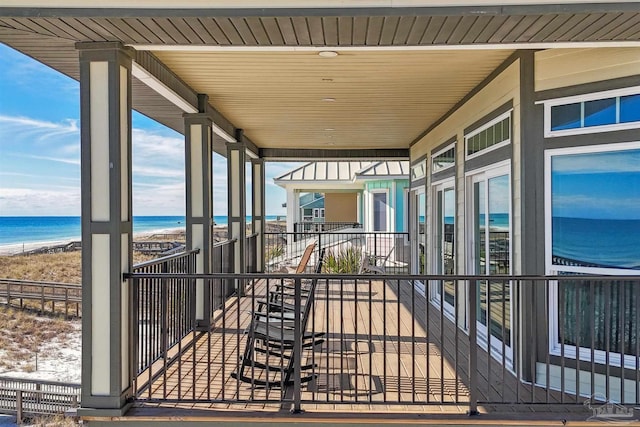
297,349
473,349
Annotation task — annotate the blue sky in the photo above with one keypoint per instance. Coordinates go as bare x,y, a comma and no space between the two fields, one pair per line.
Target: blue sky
40,150
597,185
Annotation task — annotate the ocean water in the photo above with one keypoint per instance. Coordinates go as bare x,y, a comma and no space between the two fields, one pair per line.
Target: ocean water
603,242
497,221
30,229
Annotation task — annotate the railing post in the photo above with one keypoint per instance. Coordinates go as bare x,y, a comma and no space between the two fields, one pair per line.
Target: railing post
297,350
19,407
473,349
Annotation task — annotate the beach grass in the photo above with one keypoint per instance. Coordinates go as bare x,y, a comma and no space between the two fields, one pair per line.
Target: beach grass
63,267
52,421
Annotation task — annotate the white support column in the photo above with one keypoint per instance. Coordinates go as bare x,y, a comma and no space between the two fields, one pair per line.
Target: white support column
199,209
105,112
293,209
258,209
237,217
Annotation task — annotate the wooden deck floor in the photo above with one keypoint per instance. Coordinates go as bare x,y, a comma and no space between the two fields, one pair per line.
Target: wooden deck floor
386,350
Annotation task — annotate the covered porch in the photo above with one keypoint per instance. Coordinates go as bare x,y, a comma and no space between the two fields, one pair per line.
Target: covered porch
468,316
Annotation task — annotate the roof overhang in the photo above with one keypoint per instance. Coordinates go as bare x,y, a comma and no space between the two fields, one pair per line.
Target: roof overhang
400,66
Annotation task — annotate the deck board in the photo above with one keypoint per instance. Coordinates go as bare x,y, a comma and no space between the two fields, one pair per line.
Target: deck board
386,349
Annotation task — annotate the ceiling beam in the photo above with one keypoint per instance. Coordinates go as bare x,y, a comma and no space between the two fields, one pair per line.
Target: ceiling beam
274,154
151,71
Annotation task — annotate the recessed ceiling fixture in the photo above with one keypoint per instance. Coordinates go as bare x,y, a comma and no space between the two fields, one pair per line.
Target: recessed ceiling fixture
329,129
328,99
327,53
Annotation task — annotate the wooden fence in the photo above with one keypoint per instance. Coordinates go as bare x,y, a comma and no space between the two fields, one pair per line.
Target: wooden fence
46,295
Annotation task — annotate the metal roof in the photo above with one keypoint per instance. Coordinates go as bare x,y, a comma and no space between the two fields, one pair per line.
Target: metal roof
346,172
395,168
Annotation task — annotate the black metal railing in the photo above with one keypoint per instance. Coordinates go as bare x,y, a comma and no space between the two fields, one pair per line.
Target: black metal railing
163,307
223,262
251,253
345,251
323,227
392,340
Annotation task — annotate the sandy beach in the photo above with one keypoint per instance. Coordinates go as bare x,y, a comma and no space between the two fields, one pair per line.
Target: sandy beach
219,233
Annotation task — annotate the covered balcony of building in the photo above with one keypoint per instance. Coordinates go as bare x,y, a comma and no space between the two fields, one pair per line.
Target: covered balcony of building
230,332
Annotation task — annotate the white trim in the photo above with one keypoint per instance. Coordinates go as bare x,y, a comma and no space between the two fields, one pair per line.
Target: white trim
490,46
224,135
170,95
160,88
484,174
593,96
487,125
600,148
555,347
414,227
444,150
405,210
436,258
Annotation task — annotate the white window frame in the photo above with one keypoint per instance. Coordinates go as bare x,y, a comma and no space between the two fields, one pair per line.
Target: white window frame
435,297
414,230
594,96
487,125
555,347
487,172
436,154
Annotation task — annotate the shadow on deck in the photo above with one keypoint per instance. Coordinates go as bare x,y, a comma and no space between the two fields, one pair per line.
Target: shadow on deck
387,350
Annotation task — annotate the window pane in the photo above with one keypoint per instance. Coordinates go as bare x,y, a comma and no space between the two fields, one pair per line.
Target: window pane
565,116
506,128
448,243
444,160
483,139
600,311
600,112
630,108
379,211
498,130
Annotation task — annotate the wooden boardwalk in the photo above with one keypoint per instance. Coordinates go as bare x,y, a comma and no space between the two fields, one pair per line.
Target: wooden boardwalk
385,350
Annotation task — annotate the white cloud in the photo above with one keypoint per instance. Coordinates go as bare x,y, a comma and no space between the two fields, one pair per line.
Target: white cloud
592,163
54,159
158,171
28,201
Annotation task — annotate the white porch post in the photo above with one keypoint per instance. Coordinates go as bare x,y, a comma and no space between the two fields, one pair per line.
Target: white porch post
105,112
199,209
236,206
293,209
258,209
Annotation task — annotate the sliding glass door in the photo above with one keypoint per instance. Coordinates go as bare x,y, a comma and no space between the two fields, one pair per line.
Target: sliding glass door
444,207
491,255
